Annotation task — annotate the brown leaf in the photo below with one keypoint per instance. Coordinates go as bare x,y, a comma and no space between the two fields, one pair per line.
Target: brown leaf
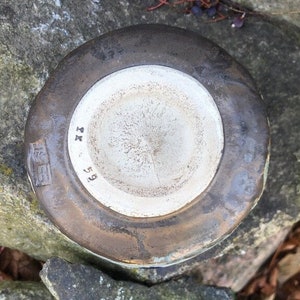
285,248
290,288
288,266
254,286
268,290
19,266
273,277
4,276
288,246
294,296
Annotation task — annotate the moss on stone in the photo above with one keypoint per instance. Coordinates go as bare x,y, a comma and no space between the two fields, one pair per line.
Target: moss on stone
20,290
5,170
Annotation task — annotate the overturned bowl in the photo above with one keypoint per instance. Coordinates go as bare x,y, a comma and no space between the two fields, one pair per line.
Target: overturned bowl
148,145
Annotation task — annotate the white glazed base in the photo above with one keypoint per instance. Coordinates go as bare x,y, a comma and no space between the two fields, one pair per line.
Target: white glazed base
146,141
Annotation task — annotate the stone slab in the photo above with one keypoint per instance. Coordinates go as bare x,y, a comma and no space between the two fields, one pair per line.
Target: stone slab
77,281
21,290
280,9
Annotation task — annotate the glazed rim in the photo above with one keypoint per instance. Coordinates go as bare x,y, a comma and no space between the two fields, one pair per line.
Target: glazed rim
145,141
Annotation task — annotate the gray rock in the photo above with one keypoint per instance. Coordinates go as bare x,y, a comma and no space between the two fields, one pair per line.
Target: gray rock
280,9
34,37
77,281
22,290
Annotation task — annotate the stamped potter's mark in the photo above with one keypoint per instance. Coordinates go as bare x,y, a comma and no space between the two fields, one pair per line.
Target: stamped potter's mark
79,132
39,159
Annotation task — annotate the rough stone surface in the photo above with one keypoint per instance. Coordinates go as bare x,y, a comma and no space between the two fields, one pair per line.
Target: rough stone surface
232,269
281,9
76,281
34,37
17,290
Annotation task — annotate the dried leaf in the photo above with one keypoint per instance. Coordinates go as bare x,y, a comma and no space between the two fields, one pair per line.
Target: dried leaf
254,286
4,276
268,289
281,275
288,266
290,288
288,246
273,277
294,296
19,265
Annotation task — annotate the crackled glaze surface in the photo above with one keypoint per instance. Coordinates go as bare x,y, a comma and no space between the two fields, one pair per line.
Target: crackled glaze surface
140,139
